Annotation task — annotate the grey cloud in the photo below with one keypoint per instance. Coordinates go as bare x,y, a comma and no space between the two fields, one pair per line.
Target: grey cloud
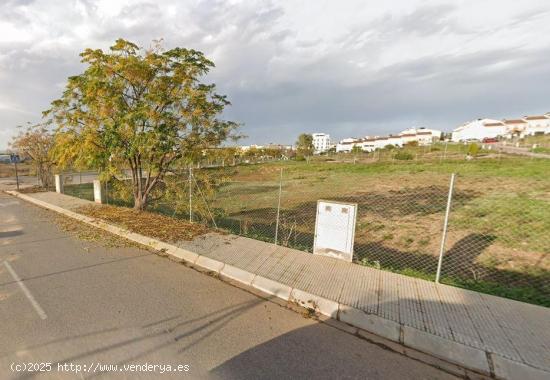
427,20
456,90
278,80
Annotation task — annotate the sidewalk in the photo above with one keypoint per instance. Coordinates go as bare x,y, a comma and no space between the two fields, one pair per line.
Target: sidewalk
491,335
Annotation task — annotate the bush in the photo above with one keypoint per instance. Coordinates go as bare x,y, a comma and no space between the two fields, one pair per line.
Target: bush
473,149
389,147
300,157
356,149
540,150
412,143
403,156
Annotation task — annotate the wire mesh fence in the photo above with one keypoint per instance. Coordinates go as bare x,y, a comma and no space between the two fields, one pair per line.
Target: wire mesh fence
497,237
79,184
489,233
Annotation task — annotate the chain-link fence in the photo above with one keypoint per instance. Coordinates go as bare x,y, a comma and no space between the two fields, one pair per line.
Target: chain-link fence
499,238
496,240
79,184
487,230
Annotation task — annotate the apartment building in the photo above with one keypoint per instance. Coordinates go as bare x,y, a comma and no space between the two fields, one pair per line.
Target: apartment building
321,142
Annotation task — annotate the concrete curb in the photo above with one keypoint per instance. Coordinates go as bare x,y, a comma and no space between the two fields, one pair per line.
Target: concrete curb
445,349
466,357
383,327
311,301
508,369
272,287
237,274
210,264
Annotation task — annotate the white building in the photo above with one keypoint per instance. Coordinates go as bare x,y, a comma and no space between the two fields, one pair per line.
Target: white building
490,128
537,124
395,141
479,129
346,145
321,142
514,127
368,144
246,148
380,142
424,136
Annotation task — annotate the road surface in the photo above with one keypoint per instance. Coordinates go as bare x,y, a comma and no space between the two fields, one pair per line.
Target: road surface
69,307
518,150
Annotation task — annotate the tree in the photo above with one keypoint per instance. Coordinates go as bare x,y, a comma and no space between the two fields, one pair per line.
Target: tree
356,149
143,110
36,142
304,146
473,150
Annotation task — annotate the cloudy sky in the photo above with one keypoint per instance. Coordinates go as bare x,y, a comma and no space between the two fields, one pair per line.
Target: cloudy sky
349,68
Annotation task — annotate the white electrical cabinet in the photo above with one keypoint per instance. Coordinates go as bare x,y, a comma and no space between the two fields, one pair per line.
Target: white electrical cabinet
335,229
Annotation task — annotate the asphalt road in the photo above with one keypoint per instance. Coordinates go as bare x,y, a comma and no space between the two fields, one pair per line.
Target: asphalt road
9,183
73,302
518,150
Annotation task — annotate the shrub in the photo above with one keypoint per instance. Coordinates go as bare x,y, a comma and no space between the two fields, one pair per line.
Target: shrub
473,149
403,156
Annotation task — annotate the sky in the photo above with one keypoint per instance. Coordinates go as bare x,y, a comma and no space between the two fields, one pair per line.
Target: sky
348,68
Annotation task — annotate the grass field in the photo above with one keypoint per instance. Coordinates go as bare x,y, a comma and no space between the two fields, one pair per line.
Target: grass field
8,170
499,228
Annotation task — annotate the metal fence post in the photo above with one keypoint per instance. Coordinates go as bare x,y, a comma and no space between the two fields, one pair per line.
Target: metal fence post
445,223
279,206
190,194
16,175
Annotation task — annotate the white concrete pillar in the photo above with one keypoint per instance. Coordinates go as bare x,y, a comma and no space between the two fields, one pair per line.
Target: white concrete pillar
97,191
59,183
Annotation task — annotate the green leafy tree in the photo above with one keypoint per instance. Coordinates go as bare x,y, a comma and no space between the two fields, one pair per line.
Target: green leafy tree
304,146
142,110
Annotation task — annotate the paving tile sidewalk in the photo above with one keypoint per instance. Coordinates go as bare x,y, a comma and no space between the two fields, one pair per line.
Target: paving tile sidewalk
506,331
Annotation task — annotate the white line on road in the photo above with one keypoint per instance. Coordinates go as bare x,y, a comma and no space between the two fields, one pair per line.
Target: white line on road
9,203
25,290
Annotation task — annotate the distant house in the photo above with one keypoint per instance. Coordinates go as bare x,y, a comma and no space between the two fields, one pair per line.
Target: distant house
479,129
380,142
508,128
537,124
395,141
515,127
424,136
346,145
321,142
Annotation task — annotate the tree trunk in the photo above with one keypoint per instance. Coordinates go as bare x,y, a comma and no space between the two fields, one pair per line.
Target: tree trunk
140,202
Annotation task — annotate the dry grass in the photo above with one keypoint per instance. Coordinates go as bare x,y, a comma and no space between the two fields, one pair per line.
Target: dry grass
8,170
88,233
32,189
146,223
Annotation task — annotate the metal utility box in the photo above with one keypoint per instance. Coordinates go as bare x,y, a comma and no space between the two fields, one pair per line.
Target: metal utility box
335,229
